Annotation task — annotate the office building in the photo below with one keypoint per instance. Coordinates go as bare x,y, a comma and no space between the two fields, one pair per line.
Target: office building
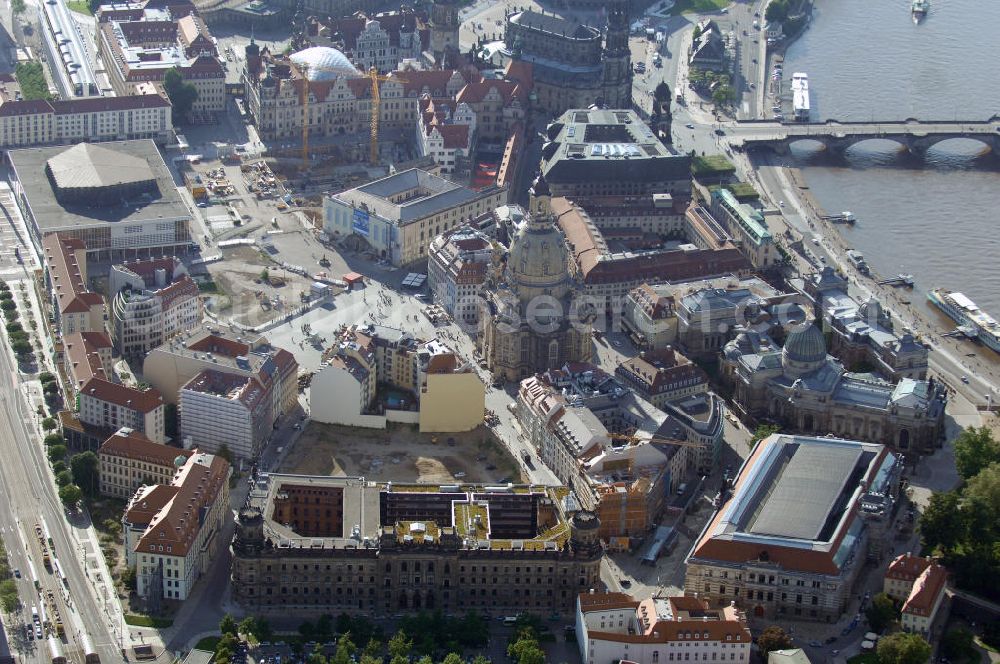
430,386
748,227
919,585
616,627
142,49
617,246
151,300
619,454
793,536
86,355
73,305
174,364
346,544
111,406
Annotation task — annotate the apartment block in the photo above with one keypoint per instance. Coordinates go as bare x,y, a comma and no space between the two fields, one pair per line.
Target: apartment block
75,307
25,123
111,406
129,460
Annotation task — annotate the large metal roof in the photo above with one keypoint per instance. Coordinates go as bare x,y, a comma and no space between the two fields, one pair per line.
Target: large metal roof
807,484
87,165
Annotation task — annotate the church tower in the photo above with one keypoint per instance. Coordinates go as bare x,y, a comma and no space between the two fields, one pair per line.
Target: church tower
444,31
617,57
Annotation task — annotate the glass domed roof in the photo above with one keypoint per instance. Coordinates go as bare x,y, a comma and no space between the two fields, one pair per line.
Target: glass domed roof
324,64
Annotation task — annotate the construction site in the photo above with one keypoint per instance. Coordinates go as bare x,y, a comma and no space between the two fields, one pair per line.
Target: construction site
400,454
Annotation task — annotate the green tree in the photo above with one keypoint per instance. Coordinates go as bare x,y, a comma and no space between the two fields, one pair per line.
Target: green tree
14,328
182,95
974,450
70,495
8,304
762,432
345,650
723,95
941,524
59,466
777,11
373,649
959,645
452,658
48,424
903,648
981,503
64,478
228,625
57,453
128,577
54,439
248,626
370,659
773,638
400,645
86,472
524,648
316,656
8,596
45,376
225,452
881,612
21,347
481,659
51,388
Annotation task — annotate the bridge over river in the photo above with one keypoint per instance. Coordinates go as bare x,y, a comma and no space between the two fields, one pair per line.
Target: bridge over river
916,136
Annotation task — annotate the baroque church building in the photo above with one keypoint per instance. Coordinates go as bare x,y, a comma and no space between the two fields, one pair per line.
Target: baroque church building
531,320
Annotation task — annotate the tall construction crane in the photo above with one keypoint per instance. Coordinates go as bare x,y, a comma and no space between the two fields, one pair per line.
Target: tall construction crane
655,439
376,78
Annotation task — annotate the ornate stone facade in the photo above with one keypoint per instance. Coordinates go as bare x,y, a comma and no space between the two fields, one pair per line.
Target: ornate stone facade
806,390
533,320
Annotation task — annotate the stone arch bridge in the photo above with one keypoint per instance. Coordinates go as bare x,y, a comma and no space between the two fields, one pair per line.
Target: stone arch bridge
915,136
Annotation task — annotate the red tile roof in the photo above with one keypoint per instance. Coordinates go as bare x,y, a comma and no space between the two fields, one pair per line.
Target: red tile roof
135,446
144,401
926,591
196,485
67,275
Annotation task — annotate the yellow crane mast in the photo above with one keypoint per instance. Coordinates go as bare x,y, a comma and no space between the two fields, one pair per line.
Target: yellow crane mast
376,78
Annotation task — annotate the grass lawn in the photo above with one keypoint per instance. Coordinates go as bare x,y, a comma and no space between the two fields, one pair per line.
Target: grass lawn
208,643
148,621
80,6
698,6
864,658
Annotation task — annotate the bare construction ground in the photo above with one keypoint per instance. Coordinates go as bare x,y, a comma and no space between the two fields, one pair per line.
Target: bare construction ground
400,454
